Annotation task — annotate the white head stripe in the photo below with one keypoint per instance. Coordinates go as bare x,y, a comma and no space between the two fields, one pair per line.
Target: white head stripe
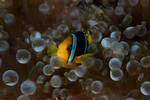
74,45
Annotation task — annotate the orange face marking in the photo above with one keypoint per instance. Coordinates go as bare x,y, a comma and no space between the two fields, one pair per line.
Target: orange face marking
62,50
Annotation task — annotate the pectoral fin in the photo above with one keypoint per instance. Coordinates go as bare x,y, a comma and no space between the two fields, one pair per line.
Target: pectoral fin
52,50
89,54
78,59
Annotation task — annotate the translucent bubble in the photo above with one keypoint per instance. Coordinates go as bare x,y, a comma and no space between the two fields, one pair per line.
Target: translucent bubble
96,87
64,93
116,47
136,48
72,76
22,97
140,77
93,28
113,28
92,48
88,88
103,24
75,13
106,42
92,22
119,10
107,53
25,34
129,32
56,81
46,87
103,98
3,46
40,79
23,56
56,34
133,2
132,58
70,98
145,88
8,3
34,35
52,43
87,62
76,24
4,35
89,1
129,99
9,19
103,30
28,87
81,82
46,38
38,44
141,30
116,74
145,62
125,47
48,70
56,93
144,3
80,71
27,40
46,58
56,62
88,81
39,64
116,35
95,98
127,20
44,8
97,36
115,63
63,27
49,32
0,62
133,67
10,77
119,56
98,64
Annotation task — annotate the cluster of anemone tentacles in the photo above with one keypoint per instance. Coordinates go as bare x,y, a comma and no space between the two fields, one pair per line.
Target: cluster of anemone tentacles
119,70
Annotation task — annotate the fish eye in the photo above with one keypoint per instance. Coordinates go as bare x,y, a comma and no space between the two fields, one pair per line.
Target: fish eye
69,48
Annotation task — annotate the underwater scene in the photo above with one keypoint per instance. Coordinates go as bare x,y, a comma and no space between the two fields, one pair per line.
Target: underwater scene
74,50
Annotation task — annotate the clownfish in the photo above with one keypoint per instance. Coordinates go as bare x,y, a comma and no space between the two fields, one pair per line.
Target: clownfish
73,47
